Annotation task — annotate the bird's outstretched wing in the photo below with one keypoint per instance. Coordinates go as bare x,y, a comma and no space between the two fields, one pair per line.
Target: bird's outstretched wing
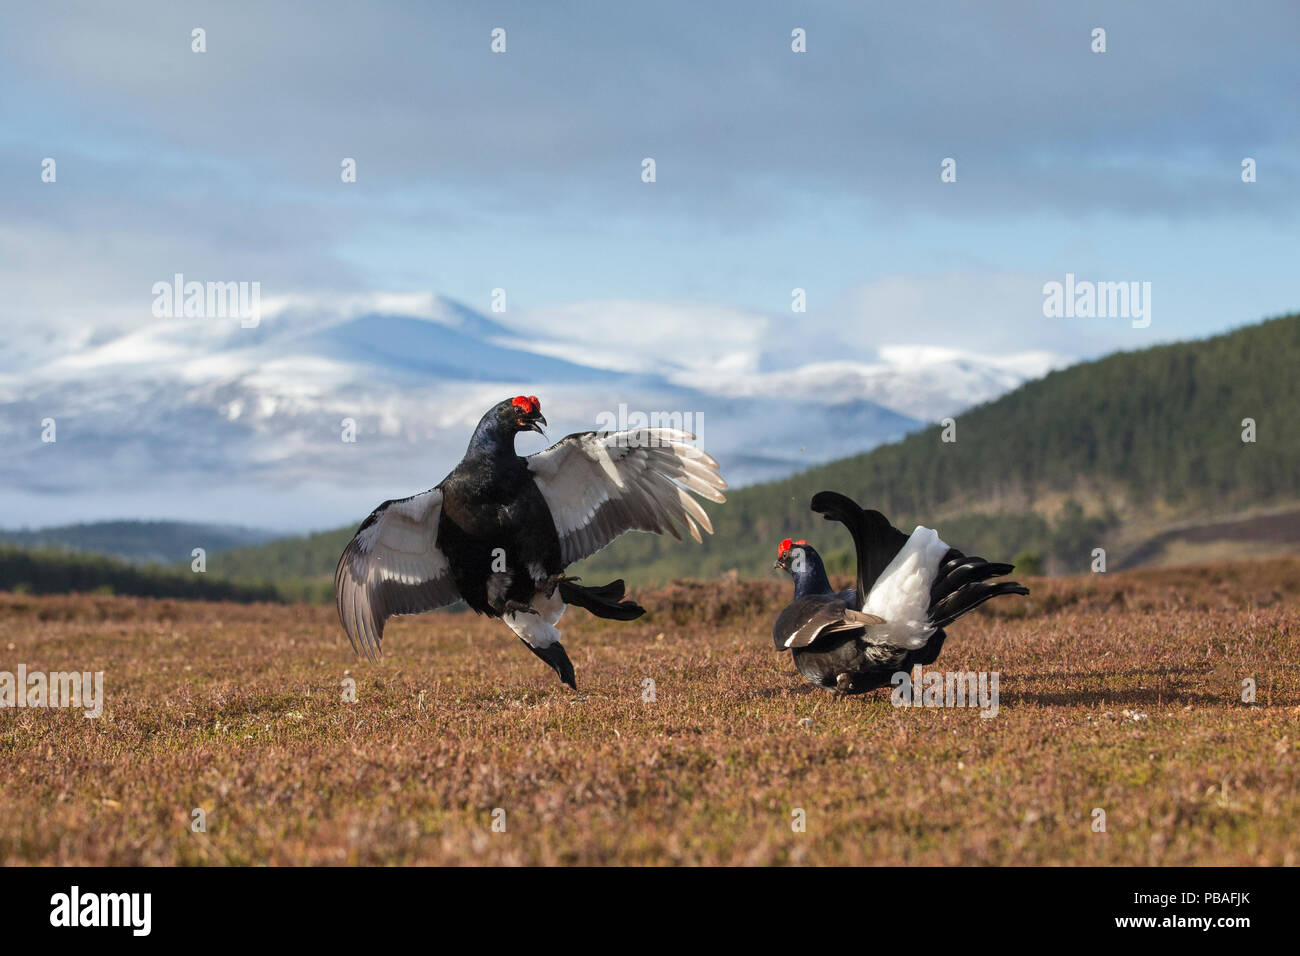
392,566
600,484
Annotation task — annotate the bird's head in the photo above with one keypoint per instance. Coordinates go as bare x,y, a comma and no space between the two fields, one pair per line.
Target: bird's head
804,565
523,413
793,556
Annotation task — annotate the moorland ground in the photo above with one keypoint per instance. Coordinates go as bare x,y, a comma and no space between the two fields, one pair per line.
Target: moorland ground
1119,692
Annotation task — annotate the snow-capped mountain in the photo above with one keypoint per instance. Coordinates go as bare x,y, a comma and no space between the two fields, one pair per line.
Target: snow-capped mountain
923,383
204,419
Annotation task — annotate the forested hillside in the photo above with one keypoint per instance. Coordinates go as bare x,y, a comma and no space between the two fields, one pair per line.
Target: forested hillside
150,541
302,568
60,572
1096,455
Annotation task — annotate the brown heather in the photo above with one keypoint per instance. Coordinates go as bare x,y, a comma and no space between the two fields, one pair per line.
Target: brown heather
237,709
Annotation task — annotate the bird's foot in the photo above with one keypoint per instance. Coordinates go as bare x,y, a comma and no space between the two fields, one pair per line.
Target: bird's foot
518,607
555,580
843,685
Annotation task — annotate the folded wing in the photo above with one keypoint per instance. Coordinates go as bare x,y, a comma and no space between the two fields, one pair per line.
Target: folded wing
808,618
392,566
599,485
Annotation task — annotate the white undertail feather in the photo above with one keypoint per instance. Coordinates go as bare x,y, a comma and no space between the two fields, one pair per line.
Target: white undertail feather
901,595
538,630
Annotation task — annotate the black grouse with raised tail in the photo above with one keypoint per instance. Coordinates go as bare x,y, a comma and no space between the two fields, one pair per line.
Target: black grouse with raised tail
909,588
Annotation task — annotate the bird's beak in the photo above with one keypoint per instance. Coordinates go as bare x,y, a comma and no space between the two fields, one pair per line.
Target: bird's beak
778,564
536,425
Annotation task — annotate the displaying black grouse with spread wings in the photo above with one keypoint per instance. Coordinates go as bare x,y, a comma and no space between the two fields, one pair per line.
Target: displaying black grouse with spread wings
500,529
908,589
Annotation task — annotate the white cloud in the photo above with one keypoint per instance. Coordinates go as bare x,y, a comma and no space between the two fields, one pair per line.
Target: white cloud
986,313
648,337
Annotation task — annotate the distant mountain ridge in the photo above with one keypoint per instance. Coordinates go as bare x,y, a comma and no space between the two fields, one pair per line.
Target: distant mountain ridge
248,425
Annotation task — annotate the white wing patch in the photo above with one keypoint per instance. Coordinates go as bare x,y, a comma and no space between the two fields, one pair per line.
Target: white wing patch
599,485
901,595
392,566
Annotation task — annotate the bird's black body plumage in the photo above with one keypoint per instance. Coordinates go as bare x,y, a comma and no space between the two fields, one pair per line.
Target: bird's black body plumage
852,660
496,530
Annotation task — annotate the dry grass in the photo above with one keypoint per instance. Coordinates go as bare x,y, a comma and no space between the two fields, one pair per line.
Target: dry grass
237,709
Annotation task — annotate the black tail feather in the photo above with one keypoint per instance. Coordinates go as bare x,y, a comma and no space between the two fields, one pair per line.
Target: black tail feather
950,562
969,597
875,540
604,601
559,661
963,585
957,569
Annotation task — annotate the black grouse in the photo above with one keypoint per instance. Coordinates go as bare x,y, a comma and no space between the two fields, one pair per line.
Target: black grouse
499,530
909,588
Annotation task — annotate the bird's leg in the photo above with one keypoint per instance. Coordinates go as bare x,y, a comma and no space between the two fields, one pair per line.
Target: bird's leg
843,685
518,607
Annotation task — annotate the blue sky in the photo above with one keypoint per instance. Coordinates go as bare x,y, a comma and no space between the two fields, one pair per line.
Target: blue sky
774,169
